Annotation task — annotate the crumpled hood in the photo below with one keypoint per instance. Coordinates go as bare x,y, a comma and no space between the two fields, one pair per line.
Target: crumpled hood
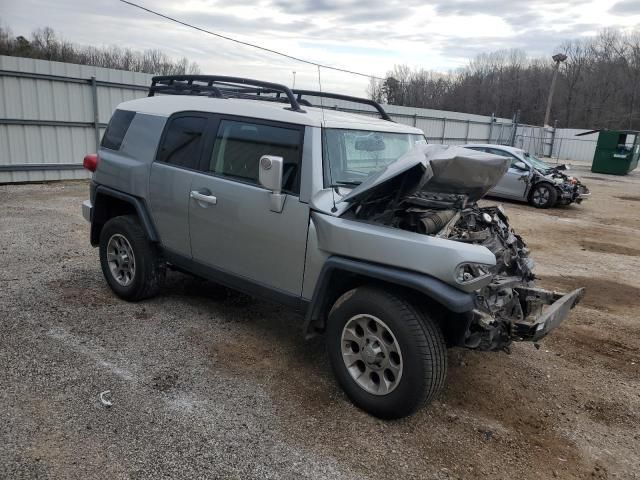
436,168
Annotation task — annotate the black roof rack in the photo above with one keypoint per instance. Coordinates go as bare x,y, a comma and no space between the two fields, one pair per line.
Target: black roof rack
222,87
237,87
337,96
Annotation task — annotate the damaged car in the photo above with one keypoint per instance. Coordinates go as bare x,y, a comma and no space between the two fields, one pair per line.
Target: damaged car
375,237
531,180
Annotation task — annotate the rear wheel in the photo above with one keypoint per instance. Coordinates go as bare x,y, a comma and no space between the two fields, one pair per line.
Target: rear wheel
388,356
543,195
129,262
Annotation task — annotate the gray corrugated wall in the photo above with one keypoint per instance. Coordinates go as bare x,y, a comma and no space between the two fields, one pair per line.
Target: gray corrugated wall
68,108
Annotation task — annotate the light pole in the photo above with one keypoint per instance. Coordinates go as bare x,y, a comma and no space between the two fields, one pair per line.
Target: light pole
558,58
294,79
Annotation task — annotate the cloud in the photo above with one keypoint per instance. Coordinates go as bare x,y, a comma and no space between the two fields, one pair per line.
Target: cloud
363,35
626,7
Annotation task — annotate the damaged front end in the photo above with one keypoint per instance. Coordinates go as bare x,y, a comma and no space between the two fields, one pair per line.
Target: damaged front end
569,188
439,198
510,307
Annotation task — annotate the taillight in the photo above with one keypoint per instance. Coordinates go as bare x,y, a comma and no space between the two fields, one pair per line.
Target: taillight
90,162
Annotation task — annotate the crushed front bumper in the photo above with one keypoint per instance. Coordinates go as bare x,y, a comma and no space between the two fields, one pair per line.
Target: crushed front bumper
546,311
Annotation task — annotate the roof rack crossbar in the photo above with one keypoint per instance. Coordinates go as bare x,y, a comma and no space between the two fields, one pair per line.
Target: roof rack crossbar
178,89
183,85
349,98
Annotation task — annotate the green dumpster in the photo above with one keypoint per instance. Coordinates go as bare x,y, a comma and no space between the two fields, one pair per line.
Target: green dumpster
617,152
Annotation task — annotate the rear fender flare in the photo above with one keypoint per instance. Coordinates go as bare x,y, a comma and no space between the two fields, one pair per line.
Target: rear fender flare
101,212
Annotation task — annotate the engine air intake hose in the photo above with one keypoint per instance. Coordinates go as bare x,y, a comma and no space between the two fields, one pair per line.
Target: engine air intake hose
434,221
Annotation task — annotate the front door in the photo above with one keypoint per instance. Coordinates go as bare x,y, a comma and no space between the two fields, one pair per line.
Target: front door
231,225
514,183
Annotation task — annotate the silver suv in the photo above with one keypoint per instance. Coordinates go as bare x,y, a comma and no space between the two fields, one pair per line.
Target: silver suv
373,235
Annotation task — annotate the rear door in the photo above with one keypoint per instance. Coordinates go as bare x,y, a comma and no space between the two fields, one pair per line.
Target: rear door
178,157
233,230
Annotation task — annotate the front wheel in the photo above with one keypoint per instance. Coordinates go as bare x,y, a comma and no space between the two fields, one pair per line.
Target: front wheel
387,355
543,195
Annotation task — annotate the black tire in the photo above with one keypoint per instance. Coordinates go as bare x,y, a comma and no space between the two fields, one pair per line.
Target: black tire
422,345
543,195
149,272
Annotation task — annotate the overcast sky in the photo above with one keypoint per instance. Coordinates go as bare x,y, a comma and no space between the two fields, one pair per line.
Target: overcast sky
364,35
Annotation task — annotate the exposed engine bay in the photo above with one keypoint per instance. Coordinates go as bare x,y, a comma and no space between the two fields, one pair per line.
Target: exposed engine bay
507,305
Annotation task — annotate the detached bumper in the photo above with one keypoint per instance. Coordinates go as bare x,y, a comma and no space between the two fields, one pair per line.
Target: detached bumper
578,194
583,196
87,210
547,310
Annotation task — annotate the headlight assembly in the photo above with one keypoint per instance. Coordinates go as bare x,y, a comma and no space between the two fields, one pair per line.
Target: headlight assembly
473,273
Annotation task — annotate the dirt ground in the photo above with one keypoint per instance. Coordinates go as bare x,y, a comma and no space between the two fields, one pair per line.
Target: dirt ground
207,383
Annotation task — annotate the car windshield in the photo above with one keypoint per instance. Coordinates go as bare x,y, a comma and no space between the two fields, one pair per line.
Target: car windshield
351,155
536,162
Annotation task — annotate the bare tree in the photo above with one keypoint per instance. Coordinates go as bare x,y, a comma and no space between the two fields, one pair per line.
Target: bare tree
45,44
598,85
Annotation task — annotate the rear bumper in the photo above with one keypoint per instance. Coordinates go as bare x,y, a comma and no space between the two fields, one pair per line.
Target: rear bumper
547,310
87,210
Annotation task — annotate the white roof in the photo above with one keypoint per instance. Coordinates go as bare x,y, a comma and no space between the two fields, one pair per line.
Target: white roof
166,105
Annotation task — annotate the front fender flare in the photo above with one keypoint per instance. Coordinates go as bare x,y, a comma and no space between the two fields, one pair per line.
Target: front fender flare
449,297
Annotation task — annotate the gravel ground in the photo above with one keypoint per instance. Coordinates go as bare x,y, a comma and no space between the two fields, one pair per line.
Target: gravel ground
207,383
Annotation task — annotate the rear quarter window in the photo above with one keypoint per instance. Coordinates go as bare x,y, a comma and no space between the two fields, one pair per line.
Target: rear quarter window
117,129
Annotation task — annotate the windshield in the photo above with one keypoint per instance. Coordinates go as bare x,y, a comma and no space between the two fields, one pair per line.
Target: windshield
536,162
349,156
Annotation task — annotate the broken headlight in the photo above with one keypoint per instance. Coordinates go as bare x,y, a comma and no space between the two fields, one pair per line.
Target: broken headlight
473,273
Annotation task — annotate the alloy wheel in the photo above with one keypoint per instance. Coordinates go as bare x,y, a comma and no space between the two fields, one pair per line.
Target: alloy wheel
121,260
541,196
371,354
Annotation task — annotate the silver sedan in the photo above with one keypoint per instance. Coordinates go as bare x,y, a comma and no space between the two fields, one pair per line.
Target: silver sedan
531,180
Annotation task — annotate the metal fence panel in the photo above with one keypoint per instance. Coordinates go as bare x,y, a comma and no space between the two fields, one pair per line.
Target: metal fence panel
568,146
48,117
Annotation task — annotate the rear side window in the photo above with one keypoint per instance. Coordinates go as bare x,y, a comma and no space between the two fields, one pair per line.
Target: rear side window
239,146
117,128
182,142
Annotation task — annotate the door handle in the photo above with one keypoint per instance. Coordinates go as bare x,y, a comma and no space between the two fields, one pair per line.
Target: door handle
201,197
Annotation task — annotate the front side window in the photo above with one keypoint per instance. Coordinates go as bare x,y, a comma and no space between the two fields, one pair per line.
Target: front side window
349,156
117,128
239,146
182,142
503,153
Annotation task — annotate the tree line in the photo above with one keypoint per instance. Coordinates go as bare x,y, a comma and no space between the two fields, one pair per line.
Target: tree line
45,44
598,86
